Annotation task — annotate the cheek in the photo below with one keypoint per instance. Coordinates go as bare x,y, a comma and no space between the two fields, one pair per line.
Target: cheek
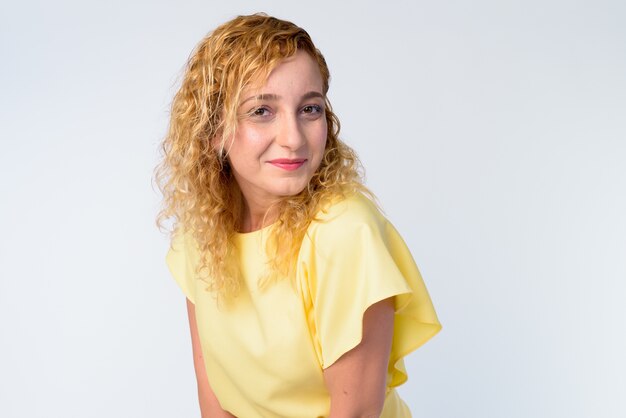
321,137
317,146
249,142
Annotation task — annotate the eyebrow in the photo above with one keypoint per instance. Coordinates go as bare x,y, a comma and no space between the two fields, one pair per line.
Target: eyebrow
274,97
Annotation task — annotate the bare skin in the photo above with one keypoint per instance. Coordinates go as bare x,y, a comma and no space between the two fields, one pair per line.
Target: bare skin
209,405
356,382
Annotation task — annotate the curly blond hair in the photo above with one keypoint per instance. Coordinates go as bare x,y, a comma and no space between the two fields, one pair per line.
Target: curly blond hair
199,190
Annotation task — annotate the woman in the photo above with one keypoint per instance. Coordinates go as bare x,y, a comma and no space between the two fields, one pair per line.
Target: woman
302,298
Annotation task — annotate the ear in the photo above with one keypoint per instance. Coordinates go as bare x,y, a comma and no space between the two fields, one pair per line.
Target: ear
217,143
222,143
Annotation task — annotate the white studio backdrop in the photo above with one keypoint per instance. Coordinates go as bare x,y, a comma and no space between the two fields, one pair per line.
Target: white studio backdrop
493,132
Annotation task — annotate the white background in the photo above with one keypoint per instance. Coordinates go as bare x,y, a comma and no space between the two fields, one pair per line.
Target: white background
493,132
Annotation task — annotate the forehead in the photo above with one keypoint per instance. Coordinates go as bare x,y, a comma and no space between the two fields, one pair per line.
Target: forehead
299,71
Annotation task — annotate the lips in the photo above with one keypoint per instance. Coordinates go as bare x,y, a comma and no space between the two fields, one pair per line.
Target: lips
287,163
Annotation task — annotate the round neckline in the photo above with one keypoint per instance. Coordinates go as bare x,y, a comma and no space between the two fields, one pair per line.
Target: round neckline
255,232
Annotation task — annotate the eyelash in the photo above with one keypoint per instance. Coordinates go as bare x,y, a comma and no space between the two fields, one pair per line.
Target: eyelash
254,112
315,109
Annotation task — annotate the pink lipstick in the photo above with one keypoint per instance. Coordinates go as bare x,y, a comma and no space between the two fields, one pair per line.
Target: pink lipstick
288,164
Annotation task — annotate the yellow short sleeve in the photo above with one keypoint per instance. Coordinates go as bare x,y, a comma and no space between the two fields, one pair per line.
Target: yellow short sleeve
181,260
353,258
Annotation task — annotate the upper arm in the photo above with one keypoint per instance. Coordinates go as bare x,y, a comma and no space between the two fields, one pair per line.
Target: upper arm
357,380
209,405
198,359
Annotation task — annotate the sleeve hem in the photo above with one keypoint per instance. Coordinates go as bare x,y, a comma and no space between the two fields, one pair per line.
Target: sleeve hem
357,336
399,375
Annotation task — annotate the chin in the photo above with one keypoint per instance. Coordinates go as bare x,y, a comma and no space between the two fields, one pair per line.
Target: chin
291,189
290,192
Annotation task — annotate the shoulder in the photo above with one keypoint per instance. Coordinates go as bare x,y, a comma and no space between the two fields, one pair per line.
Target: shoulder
182,259
183,245
348,213
345,222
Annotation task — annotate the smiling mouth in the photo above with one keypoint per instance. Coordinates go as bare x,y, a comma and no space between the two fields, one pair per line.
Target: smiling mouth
288,164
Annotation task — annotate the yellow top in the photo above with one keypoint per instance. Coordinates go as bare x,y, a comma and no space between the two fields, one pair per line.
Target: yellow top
264,354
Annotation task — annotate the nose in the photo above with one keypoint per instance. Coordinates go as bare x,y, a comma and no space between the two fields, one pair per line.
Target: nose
290,133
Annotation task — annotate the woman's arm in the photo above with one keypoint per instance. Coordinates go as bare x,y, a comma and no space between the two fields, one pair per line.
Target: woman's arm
209,405
357,381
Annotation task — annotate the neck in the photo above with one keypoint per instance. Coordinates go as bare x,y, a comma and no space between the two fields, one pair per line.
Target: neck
255,217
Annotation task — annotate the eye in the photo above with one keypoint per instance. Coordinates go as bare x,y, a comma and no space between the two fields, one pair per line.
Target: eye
261,111
312,109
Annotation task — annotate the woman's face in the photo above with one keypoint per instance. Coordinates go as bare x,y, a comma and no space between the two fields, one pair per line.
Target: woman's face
281,132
